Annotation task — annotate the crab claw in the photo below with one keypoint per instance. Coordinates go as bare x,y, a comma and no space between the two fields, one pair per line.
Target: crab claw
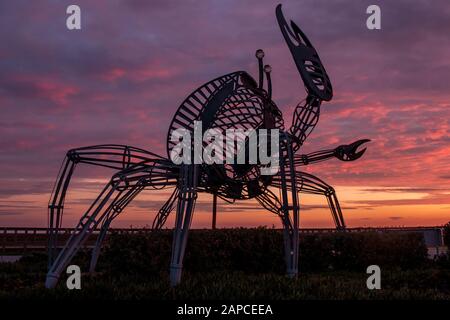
347,152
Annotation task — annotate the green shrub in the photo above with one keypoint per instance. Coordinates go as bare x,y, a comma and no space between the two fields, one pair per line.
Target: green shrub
447,234
241,264
261,251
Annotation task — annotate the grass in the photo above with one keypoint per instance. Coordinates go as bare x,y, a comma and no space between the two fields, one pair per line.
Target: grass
431,284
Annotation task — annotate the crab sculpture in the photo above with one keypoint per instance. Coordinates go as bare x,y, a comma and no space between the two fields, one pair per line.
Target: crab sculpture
234,101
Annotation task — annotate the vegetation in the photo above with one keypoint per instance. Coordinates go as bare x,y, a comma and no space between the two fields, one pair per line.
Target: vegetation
447,234
243,264
261,251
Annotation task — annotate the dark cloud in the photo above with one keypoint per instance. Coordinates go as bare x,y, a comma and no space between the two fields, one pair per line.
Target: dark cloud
441,199
403,190
8,213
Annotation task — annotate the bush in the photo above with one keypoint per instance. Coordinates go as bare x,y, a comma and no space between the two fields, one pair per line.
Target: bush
241,264
447,234
356,251
261,251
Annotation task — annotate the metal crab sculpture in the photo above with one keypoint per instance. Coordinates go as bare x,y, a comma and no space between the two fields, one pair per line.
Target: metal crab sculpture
234,100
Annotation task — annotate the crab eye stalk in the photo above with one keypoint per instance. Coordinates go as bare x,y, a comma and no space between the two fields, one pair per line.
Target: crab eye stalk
267,71
260,55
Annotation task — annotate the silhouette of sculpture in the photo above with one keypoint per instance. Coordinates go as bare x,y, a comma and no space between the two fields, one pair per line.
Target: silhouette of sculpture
234,100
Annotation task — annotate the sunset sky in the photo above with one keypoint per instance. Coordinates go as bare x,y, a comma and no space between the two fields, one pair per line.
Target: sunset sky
121,78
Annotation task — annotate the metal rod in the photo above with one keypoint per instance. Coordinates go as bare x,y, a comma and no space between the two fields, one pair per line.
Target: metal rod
260,55
214,211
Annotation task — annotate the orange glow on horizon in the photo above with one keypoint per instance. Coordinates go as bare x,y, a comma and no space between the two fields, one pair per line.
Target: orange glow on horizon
362,207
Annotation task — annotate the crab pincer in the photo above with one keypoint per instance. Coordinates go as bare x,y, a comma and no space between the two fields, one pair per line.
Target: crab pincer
348,152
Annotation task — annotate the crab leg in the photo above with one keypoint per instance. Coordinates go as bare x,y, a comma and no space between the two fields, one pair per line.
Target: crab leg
114,210
122,188
310,184
185,208
290,210
165,210
270,202
118,157
56,205
85,227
